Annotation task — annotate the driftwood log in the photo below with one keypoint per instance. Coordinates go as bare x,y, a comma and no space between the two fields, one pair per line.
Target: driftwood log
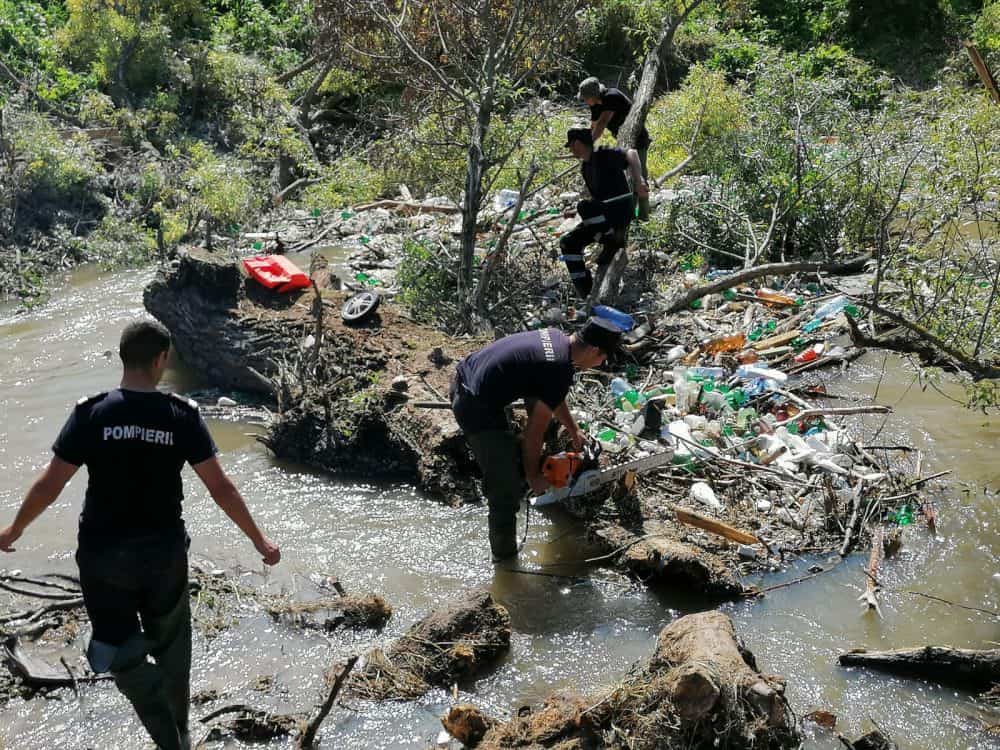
701,688
977,669
456,642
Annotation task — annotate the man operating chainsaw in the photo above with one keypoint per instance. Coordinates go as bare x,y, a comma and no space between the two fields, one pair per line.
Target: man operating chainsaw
536,366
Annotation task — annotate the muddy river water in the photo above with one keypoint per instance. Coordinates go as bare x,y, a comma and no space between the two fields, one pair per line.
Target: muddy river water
581,631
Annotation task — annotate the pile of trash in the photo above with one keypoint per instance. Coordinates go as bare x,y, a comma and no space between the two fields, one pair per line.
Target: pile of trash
754,443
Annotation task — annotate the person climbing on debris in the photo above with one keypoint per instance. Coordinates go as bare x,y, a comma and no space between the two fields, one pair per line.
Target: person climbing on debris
536,366
608,110
132,550
605,217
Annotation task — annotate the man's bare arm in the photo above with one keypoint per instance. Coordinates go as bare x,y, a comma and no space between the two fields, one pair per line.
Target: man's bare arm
227,497
42,494
531,447
598,126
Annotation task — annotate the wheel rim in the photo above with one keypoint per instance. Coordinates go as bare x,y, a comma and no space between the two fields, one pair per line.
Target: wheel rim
359,304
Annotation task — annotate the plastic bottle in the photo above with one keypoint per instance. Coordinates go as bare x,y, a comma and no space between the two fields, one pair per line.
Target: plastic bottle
831,308
612,441
701,492
504,199
712,373
772,297
751,372
675,354
619,386
622,320
730,343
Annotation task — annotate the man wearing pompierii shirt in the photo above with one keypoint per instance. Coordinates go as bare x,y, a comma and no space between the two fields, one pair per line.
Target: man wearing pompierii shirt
536,366
132,550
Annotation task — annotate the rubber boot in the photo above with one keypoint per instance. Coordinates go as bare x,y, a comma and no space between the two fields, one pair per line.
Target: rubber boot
143,685
169,638
503,542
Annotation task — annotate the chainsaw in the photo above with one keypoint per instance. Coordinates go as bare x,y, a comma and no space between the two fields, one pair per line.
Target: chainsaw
575,474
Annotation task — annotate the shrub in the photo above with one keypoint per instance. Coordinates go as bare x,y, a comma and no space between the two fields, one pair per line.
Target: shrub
706,103
59,169
427,285
348,181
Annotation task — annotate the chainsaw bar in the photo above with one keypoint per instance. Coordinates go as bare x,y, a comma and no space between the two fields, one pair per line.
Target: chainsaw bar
588,481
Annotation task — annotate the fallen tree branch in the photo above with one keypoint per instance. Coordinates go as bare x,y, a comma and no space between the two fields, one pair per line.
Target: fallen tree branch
683,301
975,668
413,206
308,736
978,370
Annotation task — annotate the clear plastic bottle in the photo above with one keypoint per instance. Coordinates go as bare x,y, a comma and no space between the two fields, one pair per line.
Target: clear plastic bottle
712,373
751,372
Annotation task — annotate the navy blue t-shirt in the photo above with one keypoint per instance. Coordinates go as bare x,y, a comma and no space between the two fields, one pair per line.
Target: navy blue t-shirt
615,101
134,444
604,174
528,365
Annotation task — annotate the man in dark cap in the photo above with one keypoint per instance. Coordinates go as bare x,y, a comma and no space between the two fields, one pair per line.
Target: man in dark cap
536,366
609,109
606,215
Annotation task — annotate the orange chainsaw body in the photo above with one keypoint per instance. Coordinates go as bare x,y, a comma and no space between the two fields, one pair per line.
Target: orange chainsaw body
559,469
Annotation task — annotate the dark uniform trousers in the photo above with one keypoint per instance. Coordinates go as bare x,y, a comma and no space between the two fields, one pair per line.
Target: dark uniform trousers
601,221
136,595
498,453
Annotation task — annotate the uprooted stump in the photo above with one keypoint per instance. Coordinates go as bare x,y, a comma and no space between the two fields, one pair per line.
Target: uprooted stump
451,644
467,724
654,556
701,688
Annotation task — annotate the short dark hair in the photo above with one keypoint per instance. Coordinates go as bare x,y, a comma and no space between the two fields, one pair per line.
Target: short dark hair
580,134
143,341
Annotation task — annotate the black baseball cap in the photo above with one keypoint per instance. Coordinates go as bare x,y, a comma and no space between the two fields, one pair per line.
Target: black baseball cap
603,334
579,134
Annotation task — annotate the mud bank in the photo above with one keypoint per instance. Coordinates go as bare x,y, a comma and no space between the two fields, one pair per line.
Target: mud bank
343,392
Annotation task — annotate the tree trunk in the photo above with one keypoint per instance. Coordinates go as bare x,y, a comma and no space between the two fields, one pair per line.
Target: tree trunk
977,669
470,205
643,98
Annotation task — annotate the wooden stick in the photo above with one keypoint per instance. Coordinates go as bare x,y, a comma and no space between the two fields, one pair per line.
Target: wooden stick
983,70
869,597
849,531
918,482
408,206
716,527
833,411
308,737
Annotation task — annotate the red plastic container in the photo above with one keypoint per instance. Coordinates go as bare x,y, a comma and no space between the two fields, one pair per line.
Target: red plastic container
276,272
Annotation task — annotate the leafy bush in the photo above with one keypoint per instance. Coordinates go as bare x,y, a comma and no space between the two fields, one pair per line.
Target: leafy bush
428,284
705,103
59,169
348,181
